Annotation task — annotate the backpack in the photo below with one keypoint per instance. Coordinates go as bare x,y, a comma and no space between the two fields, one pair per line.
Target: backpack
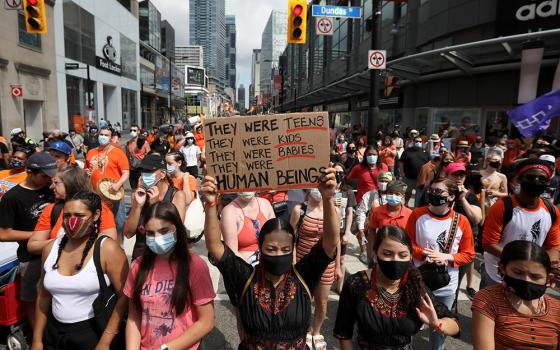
508,215
55,214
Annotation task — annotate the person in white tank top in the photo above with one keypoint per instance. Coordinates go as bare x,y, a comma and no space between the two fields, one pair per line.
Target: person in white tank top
69,283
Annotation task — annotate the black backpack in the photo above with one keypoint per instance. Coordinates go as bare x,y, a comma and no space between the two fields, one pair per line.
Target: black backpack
508,214
55,214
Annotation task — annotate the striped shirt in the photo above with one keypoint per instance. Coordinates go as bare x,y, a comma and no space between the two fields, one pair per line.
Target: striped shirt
309,234
514,330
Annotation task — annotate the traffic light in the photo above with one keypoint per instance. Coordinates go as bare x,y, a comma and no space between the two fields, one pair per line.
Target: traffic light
297,21
35,16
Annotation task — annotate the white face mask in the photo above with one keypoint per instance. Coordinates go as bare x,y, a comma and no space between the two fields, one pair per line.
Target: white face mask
383,186
315,194
133,134
246,196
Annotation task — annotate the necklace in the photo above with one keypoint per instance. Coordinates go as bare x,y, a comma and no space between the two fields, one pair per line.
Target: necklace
541,306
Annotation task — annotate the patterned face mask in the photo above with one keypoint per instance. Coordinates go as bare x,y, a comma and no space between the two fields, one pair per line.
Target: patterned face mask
77,227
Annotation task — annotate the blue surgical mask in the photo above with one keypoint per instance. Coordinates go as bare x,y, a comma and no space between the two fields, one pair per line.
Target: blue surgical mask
103,140
393,200
371,160
148,180
190,141
161,244
171,169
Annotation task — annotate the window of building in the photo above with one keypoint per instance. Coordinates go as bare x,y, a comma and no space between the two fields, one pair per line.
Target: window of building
125,3
129,110
25,38
128,57
79,33
76,98
340,38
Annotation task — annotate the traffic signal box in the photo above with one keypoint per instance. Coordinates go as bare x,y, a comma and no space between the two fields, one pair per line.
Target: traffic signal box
297,21
35,16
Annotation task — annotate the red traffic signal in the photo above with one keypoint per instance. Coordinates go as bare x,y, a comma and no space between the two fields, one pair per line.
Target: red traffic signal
297,21
35,16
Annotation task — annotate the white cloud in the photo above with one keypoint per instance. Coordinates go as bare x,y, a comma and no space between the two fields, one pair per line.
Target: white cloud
251,17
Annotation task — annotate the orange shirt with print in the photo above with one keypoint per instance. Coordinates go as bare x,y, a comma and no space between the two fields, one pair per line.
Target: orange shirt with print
107,163
494,225
44,222
465,253
382,216
9,181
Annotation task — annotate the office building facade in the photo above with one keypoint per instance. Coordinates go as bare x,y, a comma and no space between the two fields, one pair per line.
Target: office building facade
254,89
207,28
241,98
150,24
274,40
231,52
168,41
190,55
100,37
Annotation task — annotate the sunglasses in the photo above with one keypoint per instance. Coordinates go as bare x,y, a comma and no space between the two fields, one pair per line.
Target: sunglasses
436,191
536,178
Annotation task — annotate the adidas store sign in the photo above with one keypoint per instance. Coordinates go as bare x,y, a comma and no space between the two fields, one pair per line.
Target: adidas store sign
536,10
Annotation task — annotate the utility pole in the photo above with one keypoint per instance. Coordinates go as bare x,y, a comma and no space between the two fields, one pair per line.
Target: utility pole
373,108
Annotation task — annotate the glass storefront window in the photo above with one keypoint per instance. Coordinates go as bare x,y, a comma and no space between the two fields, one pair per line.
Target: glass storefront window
76,98
497,123
453,119
129,113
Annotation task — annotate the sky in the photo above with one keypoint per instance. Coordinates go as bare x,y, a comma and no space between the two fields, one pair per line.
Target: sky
251,17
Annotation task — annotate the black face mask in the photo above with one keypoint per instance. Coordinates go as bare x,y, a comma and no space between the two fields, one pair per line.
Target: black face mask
393,270
277,265
533,189
495,165
525,290
436,200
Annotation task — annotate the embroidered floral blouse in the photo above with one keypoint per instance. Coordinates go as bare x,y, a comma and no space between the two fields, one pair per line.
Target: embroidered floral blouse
380,322
273,318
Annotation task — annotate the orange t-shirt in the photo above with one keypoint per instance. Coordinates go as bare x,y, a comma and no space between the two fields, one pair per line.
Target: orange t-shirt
44,222
199,139
107,163
193,184
386,157
9,181
381,217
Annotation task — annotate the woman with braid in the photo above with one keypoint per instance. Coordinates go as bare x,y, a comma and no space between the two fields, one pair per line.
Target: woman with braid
69,282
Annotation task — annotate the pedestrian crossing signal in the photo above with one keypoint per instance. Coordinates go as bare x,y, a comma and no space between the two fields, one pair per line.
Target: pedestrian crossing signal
297,21
35,16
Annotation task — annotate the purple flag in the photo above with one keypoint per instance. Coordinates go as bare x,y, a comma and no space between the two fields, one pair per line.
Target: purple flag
535,116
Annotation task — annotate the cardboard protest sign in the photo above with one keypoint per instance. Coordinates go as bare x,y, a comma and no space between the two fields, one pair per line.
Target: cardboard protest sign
267,152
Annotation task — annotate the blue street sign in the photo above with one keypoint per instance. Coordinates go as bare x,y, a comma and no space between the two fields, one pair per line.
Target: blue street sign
336,11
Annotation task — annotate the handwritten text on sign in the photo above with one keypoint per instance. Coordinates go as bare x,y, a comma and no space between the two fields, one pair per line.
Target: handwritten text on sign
261,153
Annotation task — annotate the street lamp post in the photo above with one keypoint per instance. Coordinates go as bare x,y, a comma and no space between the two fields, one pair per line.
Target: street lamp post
373,110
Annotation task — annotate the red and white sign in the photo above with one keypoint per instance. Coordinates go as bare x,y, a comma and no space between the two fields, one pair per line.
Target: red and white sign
17,91
377,59
324,26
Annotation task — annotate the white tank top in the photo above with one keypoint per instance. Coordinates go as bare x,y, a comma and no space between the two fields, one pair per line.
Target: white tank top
72,296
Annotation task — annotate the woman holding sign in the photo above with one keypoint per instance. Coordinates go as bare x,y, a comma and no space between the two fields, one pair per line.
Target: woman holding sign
274,298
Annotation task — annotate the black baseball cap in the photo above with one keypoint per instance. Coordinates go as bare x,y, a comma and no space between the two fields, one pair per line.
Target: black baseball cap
42,161
152,162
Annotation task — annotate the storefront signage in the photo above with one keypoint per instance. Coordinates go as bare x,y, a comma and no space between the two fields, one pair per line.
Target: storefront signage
270,152
109,63
522,16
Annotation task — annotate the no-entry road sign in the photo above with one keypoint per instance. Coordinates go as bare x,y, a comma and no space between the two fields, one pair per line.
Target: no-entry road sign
377,59
324,26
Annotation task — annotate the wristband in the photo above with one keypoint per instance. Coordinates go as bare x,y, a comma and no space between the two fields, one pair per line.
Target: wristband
113,333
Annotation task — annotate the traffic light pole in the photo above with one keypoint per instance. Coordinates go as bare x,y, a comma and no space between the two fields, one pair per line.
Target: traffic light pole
88,90
373,108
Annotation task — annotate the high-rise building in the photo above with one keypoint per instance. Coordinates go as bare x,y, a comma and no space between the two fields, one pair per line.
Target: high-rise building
150,24
254,89
231,52
241,97
274,41
207,28
168,40
190,55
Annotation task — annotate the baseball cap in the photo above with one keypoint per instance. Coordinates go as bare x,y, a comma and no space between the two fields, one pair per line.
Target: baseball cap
16,131
42,161
60,146
455,168
152,162
386,176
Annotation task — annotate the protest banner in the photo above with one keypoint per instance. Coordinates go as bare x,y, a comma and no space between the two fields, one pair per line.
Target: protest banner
267,152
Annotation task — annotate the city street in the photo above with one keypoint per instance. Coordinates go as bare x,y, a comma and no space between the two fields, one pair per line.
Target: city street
225,336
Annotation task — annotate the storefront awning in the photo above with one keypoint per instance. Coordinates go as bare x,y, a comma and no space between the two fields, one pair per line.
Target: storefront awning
485,56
